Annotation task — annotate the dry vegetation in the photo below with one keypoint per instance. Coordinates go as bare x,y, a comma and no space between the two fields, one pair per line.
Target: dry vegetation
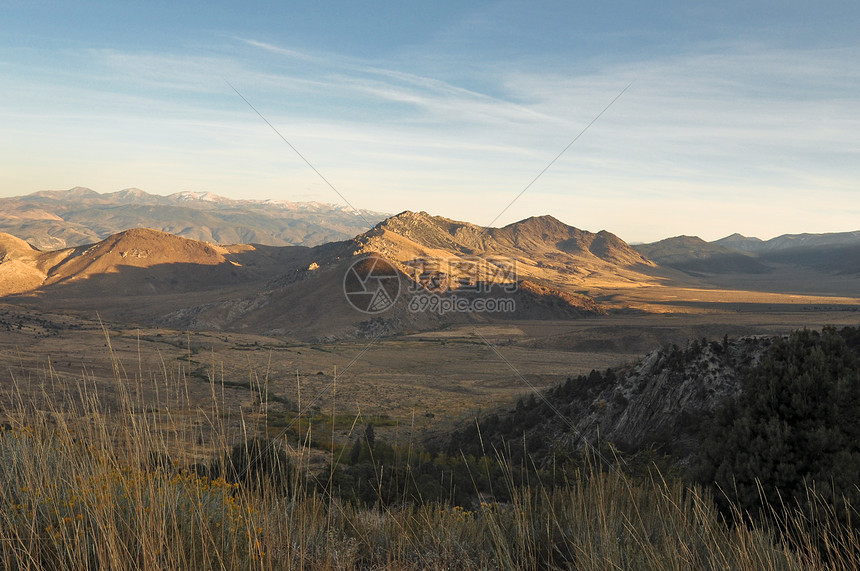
444,374
81,493
423,381
102,478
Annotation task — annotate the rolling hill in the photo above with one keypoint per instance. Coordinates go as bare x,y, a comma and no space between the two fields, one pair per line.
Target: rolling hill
155,277
418,244
537,268
22,267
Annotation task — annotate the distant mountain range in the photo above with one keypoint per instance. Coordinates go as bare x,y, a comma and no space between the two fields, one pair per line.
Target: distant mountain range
51,220
550,269
837,252
692,254
788,241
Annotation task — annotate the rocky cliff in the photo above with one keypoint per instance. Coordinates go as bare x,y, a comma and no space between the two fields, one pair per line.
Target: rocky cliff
666,401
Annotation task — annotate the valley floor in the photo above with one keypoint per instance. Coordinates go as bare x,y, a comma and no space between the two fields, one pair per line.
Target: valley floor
421,383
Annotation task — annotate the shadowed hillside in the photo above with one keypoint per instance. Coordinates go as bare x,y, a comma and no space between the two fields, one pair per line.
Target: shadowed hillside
691,254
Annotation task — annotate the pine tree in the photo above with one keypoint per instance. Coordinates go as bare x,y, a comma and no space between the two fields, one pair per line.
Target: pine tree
795,424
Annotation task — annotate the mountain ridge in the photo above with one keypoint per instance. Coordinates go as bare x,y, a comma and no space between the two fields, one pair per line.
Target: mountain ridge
256,286
743,243
55,219
543,248
550,270
835,253
692,254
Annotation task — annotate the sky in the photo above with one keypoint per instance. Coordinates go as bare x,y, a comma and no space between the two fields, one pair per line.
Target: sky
696,118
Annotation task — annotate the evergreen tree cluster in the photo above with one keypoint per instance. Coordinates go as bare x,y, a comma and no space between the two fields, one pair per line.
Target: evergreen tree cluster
796,425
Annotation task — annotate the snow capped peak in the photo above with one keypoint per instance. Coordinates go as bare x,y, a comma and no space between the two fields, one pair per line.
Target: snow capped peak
188,195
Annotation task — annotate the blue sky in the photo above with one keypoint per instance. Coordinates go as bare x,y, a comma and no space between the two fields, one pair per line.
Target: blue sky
742,117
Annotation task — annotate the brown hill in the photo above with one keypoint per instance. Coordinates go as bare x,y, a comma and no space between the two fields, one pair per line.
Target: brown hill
140,247
11,246
22,267
528,263
542,248
19,266
152,276
545,234
144,262
530,238
139,261
559,272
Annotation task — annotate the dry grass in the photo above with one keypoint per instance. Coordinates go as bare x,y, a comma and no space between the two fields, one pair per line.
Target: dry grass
431,379
80,492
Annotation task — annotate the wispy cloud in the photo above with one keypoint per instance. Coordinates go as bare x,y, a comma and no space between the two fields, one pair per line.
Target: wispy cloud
732,122
281,51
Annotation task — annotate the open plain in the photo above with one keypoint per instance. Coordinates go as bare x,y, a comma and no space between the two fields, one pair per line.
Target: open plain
422,382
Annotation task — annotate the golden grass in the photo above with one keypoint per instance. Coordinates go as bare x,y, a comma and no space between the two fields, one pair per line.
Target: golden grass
80,492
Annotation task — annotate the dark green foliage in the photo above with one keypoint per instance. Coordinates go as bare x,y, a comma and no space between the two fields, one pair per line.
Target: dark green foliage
370,436
355,453
393,479
387,475
795,425
677,359
254,462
